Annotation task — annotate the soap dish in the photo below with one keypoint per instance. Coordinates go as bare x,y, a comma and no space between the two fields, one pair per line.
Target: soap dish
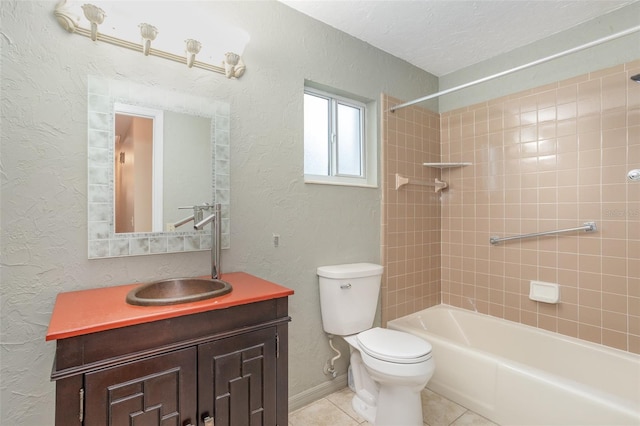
544,292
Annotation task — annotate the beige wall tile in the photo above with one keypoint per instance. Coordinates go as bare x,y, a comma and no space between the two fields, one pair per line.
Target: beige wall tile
546,158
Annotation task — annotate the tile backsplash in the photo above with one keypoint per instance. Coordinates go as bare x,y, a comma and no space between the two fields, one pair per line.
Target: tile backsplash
548,158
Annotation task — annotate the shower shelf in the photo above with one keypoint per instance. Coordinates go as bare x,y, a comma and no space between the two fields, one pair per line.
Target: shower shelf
445,165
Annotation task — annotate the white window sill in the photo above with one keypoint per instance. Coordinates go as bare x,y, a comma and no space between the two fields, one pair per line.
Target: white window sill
338,181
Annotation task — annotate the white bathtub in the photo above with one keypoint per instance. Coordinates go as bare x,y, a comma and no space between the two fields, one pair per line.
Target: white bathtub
514,374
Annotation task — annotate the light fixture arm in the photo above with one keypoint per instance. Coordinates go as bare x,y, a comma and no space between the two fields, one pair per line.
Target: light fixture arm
70,22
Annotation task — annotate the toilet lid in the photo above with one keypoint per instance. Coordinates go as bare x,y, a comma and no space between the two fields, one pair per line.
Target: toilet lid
394,346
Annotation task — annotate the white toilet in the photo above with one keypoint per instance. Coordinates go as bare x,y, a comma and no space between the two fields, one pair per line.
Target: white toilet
390,368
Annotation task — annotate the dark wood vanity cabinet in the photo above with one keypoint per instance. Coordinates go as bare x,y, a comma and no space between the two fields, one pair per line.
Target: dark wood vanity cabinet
221,367
160,390
237,379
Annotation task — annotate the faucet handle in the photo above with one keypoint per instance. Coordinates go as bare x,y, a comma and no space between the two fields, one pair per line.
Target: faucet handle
203,206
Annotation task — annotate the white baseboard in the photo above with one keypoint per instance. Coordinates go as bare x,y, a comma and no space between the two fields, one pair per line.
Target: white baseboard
317,392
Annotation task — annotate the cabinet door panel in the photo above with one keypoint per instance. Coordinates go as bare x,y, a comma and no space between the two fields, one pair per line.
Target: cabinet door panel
237,379
158,391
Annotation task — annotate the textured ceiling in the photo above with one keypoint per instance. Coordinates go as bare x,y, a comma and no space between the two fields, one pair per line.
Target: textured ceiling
443,36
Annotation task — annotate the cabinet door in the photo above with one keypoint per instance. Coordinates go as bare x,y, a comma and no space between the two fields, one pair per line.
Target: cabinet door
157,391
237,379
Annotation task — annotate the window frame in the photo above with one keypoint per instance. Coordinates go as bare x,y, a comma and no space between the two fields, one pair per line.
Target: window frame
368,147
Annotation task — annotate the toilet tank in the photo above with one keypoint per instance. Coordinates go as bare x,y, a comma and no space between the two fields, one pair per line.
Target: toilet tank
349,297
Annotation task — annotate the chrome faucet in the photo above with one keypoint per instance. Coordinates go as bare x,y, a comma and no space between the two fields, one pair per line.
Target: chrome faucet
199,222
216,231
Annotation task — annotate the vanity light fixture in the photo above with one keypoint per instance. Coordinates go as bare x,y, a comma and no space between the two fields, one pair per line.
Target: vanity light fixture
148,33
231,64
95,16
193,47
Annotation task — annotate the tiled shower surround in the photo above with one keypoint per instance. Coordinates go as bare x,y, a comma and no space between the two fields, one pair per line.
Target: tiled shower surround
548,158
411,223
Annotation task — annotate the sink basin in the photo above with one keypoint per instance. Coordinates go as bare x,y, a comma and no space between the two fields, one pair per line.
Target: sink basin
177,290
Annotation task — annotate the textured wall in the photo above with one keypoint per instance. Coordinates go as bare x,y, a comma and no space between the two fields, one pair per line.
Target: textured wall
44,177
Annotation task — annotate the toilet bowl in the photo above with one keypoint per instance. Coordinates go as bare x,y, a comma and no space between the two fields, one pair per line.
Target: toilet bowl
390,368
400,365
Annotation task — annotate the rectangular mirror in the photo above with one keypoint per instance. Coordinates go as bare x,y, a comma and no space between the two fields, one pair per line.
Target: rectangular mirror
163,162
151,152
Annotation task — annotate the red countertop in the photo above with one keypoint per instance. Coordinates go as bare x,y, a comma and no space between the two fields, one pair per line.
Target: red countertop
88,311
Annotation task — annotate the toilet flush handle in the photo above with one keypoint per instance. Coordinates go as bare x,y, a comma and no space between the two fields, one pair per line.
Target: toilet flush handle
346,286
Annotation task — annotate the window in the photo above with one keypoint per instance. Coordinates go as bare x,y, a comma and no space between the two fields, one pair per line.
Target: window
335,141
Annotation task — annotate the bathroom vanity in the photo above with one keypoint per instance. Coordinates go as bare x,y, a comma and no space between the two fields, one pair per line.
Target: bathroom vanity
219,361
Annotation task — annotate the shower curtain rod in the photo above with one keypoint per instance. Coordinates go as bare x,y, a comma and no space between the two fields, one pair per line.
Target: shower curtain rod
519,68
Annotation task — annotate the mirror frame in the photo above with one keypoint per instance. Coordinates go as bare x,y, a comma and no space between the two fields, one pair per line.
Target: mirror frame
103,242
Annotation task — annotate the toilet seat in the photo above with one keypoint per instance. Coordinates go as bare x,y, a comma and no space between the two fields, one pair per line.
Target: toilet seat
394,346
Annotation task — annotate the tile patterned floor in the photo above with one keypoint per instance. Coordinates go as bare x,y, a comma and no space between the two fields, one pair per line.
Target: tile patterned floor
335,410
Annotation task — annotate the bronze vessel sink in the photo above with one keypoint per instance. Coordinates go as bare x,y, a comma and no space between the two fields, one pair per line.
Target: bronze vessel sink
177,290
